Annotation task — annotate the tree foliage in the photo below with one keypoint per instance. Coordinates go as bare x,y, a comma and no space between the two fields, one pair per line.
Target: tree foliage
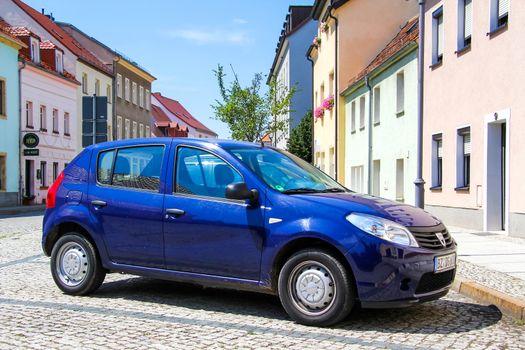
246,110
300,141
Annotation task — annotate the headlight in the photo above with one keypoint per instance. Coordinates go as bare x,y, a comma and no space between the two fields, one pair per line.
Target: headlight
382,228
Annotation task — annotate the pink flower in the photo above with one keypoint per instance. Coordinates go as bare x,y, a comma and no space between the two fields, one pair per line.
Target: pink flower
317,41
324,27
328,103
319,112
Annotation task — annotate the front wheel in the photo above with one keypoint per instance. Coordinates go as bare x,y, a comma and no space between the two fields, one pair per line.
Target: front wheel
315,289
75,265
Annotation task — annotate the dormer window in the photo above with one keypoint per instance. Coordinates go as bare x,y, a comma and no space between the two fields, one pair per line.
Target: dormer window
59,61
35,50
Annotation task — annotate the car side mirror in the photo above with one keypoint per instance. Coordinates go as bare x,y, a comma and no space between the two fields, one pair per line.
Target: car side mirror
240,191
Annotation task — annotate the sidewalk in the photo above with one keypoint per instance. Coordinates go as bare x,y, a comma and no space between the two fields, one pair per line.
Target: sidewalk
23,209
491,269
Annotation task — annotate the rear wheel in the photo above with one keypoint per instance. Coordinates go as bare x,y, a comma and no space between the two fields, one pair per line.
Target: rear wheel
315,289
75,265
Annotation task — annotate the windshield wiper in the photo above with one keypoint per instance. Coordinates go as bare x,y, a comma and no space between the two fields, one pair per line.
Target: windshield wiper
334,189
301,190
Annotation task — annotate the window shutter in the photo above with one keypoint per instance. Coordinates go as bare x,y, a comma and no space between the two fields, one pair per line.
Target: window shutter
468,18
440,35
503,7
466,144
439,148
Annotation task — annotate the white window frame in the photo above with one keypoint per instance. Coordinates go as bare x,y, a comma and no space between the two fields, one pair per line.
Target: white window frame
134,93
148,131
353,116
43,118
377,105
126,89
127,128
119,85
85,83
35,50
54,116
119,127
134,130
438,34
362,112
67,125
141,130
141,96
59,61
148,100
30,121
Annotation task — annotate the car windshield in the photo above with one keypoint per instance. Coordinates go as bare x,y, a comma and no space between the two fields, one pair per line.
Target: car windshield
285,172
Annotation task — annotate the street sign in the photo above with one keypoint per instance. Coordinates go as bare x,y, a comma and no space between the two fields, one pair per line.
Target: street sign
31,152
94,120
30,140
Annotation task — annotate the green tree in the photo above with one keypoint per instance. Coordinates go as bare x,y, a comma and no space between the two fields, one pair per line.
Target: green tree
300,141
247,111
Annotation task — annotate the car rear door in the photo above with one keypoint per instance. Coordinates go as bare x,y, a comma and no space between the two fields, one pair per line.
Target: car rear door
126,198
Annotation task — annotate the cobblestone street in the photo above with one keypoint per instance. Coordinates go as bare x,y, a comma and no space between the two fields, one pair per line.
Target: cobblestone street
134,312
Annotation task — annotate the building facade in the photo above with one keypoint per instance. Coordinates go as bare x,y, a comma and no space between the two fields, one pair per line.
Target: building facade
179,115
379,101
473,148
290,69
131,87
9,117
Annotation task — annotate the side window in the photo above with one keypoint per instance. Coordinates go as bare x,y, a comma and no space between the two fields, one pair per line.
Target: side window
138,167
104,165
203,174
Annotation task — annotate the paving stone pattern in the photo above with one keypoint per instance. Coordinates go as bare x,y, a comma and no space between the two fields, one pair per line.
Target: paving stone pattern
134,312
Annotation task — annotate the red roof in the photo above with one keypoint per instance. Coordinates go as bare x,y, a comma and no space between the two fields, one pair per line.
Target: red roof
409,33
64,38
48,45
177,109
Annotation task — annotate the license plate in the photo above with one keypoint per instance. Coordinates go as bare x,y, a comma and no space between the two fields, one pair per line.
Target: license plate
445,262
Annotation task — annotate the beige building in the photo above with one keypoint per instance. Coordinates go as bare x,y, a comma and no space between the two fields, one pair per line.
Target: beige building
473,116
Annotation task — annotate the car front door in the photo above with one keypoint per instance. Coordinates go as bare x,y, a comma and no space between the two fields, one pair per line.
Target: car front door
126,201
203,231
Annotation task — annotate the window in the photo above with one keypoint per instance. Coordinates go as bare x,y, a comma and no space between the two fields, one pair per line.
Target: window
400,180
203,174
3,111
352,115
43,174
29,114
437,36
35,50
148,132
141,96
141,130
138,167
134,132
499,14
332,163
43,118
400,94
108,93
134,93
119,127
104,166
127,129
3,171
126,89
377,105
119,85
55,171
322,92
376,177
55,121
356,181
97,87
148,100
59,62
362,108
437,161
331,84
463,158
67,130
464,24
84,83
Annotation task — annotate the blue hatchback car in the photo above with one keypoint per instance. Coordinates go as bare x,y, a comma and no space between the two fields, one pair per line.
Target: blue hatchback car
244,216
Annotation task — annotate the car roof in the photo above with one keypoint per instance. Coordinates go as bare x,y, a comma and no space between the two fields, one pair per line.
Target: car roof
177,140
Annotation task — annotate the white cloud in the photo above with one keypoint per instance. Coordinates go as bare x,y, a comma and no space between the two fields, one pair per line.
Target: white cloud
216,36
240,21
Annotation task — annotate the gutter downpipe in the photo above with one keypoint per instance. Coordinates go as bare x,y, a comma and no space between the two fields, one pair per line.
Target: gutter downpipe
312,111
336,87
21,65
114,102
370,97
419,182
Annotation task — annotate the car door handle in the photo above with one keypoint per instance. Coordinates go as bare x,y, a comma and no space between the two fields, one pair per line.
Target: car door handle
98,203
175,212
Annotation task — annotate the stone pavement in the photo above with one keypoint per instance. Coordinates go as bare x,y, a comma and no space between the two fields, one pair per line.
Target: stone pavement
134,312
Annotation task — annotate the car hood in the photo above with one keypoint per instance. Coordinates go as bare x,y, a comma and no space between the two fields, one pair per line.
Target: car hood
404,214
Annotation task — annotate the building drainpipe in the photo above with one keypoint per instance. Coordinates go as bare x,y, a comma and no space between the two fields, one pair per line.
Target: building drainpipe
419,182
336,87
21,65
313,105
114,102
370,124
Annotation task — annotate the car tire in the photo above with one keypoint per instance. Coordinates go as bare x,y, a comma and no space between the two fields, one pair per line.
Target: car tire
75,265
316,289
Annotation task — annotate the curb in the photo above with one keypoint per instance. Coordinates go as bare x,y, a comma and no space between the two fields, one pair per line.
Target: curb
28,209
507,304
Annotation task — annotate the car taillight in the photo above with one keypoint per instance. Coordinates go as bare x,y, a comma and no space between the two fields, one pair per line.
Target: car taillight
52,192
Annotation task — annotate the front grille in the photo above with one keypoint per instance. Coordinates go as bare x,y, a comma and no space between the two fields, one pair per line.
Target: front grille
430,281
426,237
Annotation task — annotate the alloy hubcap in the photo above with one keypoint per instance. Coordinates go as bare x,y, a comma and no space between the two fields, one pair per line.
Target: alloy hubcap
312,288
72,264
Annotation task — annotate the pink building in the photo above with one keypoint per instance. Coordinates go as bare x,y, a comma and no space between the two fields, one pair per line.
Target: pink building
474,113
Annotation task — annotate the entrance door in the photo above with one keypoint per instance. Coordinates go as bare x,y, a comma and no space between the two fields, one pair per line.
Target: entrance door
28,179
496,206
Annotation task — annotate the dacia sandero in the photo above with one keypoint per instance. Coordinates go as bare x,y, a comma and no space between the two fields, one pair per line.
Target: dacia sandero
240,215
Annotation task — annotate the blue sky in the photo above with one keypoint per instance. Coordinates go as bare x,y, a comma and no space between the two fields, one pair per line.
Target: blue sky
181,42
